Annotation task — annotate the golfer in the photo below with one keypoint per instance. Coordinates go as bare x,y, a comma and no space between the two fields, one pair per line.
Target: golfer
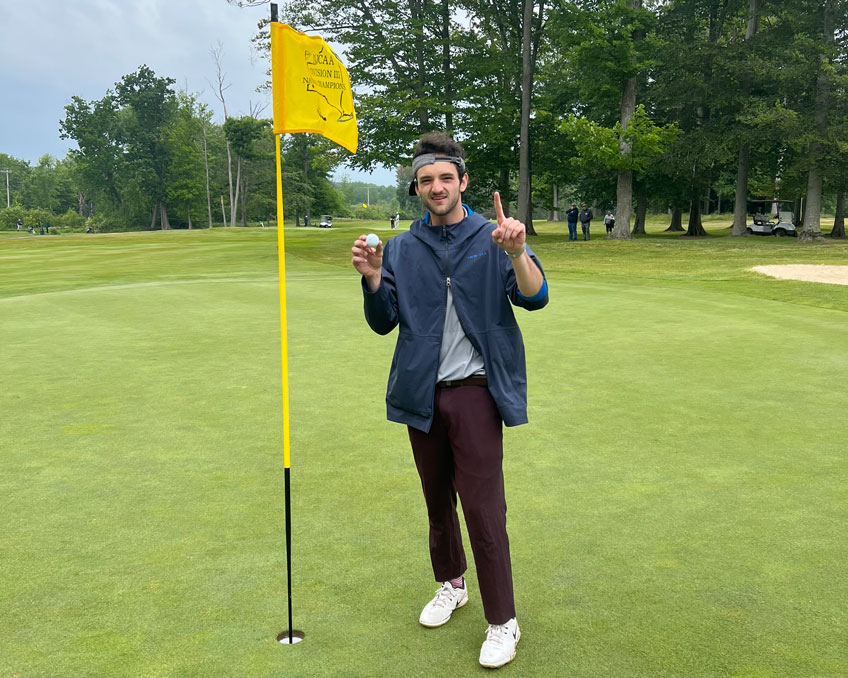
458,373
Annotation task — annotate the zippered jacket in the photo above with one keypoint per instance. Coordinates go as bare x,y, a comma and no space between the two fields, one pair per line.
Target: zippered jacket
418,266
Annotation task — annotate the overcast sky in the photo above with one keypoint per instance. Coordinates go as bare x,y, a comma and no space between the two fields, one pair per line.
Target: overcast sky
51,50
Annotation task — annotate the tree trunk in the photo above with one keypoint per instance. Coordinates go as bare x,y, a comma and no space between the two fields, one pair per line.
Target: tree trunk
811,230
740,202
234,202
244,198
624,188
676,220
839,220
206,164
189,220
448,98
525,191
223,212
230,179
555,214
415,7
696,228
503,184
163,212
641,210
153,218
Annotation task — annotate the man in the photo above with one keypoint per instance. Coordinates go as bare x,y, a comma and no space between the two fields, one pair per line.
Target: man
571,216
458,373
586,217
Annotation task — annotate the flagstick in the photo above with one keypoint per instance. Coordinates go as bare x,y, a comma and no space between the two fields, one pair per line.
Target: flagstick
281,263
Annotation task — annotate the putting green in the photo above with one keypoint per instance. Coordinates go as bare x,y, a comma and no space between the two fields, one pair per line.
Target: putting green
677,503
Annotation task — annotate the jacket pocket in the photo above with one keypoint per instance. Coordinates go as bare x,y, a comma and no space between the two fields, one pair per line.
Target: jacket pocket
413,374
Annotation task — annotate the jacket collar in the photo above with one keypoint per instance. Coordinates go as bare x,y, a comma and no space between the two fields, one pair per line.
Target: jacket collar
465,207
456,233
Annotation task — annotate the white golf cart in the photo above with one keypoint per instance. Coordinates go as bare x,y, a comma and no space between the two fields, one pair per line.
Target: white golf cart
326,221
771,217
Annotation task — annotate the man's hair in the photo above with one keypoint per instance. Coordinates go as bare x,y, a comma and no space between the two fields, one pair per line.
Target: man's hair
436,145
440,144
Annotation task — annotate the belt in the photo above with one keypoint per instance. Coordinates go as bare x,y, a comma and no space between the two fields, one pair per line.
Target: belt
468,381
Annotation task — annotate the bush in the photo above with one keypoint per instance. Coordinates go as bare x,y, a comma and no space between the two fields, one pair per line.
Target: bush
34,218
69,220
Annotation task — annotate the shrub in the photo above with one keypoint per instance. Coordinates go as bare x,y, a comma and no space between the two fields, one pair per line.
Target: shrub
69,219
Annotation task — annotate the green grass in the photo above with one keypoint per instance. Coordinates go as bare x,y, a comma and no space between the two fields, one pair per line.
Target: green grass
677,504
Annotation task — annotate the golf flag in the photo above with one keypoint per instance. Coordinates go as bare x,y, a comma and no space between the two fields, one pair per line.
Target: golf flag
311,88
311,93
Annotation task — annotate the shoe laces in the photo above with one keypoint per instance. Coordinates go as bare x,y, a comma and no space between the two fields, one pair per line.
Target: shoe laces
497,633
443,595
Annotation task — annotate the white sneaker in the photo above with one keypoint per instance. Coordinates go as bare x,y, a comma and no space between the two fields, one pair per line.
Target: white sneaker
439,610
499,647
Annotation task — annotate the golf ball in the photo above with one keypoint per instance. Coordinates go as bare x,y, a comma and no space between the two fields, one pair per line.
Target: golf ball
372,240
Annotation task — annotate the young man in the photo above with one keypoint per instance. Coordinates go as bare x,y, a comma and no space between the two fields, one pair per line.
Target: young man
586,217
458,373
572,215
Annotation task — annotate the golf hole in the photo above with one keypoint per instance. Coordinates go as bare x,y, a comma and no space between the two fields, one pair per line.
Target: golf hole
296,637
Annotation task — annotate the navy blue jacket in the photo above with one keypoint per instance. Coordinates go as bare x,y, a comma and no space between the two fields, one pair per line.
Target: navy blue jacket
417,267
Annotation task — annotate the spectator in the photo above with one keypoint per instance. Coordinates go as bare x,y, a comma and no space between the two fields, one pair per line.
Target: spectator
586,217
609,221
571,216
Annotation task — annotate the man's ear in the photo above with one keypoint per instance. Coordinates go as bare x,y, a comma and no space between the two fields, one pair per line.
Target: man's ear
464,183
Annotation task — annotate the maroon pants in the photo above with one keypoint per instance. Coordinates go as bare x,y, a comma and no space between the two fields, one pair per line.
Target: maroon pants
463,453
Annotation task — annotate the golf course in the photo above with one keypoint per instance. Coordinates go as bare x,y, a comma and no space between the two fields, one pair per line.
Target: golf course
677,504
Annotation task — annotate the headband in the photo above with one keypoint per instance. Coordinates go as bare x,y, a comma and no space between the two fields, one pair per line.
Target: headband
430,158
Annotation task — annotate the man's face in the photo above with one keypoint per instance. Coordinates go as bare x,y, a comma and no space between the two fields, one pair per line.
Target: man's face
440,188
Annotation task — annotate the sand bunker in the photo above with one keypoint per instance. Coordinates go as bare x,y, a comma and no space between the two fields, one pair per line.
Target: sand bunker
833,275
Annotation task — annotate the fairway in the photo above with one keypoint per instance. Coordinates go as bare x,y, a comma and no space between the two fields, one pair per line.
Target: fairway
677,504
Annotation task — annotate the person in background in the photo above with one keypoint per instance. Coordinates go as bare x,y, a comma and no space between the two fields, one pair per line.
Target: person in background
571,216
609,221
586,217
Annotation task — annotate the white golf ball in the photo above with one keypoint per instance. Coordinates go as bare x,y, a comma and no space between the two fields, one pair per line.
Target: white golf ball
372,240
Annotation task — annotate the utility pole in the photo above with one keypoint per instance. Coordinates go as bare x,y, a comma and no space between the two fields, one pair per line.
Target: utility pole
8,202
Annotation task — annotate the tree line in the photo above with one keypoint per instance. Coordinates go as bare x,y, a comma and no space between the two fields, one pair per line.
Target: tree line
689,106
149,156
634,103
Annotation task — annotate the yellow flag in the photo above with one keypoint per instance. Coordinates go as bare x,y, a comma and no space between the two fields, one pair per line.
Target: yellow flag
311,88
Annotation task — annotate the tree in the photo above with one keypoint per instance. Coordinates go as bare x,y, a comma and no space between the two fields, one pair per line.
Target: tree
811,229
149,104
241,133
185,173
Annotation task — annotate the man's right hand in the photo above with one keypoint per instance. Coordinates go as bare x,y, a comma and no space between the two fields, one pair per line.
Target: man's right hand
369,262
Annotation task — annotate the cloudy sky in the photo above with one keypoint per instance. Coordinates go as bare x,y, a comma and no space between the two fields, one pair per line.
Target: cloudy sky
51,50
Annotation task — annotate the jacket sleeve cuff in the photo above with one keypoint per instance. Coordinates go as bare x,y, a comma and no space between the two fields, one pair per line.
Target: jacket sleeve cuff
541,294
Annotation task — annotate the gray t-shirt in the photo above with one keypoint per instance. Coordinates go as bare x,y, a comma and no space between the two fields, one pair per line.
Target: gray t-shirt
458,358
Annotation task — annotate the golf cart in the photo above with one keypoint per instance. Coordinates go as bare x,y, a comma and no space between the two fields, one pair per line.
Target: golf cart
326,221
771,217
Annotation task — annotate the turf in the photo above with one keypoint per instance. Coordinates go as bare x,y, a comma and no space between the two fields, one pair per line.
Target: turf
677,504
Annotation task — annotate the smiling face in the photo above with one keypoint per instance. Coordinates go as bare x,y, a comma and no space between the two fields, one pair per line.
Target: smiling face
440,189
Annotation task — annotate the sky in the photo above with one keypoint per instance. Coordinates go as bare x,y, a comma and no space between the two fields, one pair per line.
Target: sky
52,50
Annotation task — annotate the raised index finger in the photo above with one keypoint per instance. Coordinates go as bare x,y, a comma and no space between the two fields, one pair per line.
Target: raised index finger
499,213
